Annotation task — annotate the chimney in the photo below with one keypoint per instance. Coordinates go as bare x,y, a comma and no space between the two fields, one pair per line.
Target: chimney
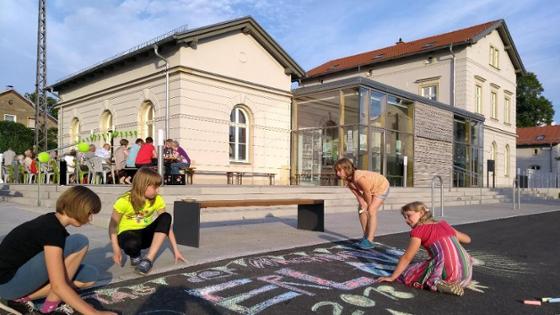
400,41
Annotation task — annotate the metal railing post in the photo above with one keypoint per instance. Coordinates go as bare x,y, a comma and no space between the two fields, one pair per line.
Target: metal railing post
440,193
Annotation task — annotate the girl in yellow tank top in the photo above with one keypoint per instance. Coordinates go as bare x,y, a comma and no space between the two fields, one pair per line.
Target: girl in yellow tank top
371,189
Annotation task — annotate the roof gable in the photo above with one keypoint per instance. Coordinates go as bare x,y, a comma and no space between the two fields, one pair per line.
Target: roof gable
25,100
545,135
191,37
460,37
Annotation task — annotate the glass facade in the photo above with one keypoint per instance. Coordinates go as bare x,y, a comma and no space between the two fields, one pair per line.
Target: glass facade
467,153
372,128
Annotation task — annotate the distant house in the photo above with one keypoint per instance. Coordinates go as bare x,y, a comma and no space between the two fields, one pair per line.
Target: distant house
538,149
15,107
472,69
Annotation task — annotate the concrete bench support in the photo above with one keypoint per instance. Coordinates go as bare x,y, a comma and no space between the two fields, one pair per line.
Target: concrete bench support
186,215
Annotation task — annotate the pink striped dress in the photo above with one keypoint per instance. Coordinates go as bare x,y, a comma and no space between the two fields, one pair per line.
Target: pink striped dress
449,261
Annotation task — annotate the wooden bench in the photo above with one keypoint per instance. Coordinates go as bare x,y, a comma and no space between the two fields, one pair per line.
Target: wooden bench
241,175
186,215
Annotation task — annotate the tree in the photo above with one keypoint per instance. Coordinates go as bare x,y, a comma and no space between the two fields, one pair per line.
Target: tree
16,136
533,109
51,102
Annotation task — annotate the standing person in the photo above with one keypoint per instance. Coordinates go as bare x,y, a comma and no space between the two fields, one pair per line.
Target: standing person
40,259
182,158
449,268
121,154
371,189
146,154
139,221
70,159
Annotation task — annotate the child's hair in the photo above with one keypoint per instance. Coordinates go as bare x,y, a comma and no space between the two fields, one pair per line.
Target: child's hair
78,202
124,142
139,141
144,177
346,165
149,140
418,206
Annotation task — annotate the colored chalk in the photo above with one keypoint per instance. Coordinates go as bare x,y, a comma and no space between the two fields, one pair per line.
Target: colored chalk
553,300
532,302
545,299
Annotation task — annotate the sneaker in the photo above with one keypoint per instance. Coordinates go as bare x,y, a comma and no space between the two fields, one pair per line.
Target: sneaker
144,266
357,244
20,307
450,288
365,244
135,260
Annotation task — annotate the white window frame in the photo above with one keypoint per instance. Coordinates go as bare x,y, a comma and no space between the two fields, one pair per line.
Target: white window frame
478,98
494,57
75,130
494,104
507,110
6,116
236,141
147,126
429,91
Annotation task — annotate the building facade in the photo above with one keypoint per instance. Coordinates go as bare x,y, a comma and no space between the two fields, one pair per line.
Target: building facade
538,156
229,98
473,69
15,107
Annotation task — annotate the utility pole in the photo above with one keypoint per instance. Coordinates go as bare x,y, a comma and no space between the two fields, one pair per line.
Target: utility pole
41,80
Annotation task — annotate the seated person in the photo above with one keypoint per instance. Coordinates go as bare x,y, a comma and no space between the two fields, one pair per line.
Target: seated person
121,154
147,154
104,152
182,158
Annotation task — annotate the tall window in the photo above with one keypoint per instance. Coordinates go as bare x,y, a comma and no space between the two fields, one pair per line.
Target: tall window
507,109
493,150
430,92
8,117
494,100
147,125
238,135
106,121
494,57
75,130
478,98
506,161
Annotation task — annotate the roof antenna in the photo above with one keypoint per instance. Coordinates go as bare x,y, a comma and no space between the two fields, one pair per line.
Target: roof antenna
400,41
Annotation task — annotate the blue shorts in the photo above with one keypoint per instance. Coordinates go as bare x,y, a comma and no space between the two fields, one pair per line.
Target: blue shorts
33,275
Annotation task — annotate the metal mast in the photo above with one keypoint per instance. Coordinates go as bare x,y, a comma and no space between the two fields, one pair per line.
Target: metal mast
41,80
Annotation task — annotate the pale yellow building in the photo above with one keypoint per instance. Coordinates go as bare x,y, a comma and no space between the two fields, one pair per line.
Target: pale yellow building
229,98
473,69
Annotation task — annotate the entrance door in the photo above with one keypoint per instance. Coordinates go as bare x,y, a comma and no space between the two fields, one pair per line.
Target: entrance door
376,145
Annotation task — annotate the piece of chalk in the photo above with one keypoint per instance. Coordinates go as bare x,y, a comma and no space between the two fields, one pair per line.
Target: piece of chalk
545,299
553,300
532,302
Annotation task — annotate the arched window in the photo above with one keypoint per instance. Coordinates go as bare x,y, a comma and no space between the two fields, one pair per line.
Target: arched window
106,121
75,130
493,151
506,161
146,127
238,135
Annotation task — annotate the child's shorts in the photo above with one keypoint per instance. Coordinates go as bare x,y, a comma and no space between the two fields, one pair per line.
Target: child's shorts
383,196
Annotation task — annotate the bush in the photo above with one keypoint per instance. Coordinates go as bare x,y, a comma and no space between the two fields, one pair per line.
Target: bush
16,136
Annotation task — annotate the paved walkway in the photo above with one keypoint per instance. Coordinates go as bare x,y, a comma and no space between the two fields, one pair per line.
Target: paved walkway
238,238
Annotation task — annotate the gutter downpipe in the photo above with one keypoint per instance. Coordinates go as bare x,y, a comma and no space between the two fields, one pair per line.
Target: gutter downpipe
453,75
166,91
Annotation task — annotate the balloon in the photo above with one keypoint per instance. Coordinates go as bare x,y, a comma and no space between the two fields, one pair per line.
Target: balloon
43,157
83,147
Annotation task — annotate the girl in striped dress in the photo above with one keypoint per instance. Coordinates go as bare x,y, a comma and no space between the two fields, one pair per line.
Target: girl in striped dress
449,268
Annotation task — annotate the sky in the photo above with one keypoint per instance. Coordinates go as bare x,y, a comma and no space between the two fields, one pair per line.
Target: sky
81,33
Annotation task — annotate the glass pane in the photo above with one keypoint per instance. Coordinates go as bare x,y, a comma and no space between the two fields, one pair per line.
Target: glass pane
242,118
309,157
242,135
232,151
232,134
399,115
351,144
376,107
330,147
460,131
232,115
376,150
318,110
351,106
399,147
242,152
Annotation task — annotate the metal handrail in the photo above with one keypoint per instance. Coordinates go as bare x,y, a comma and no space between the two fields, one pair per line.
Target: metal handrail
440,193
516,194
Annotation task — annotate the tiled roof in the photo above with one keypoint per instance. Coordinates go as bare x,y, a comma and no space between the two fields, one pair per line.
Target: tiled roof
538,135
403,49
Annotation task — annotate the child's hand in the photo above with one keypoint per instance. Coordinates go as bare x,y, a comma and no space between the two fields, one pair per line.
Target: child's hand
117,257
179,256
385,279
